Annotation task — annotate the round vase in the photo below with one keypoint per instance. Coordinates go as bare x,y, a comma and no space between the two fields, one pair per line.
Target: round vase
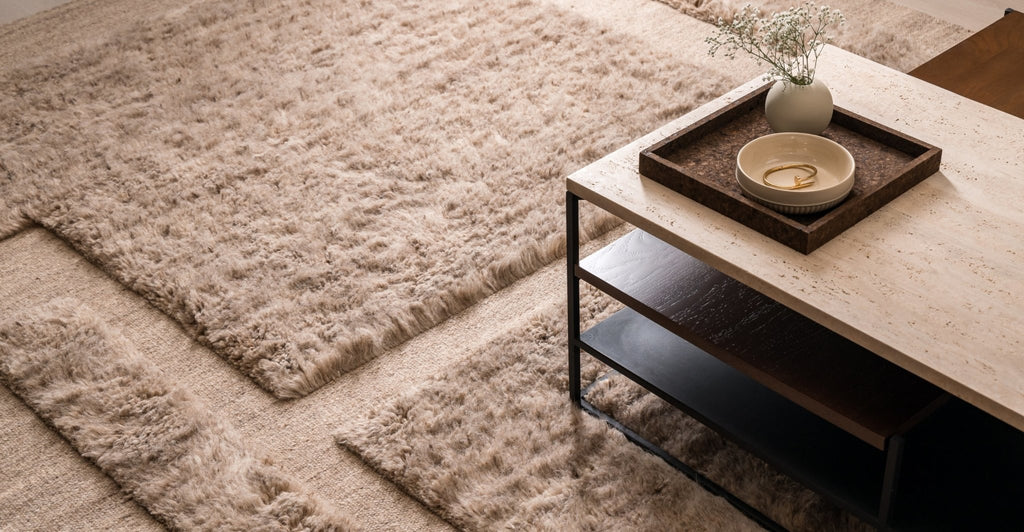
800,108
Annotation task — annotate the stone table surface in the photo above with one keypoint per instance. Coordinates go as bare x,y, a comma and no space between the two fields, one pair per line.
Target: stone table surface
933,281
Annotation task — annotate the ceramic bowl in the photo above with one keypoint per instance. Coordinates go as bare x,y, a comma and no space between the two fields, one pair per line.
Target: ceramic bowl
832,182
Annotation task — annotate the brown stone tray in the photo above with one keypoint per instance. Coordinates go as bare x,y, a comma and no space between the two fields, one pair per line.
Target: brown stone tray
699,162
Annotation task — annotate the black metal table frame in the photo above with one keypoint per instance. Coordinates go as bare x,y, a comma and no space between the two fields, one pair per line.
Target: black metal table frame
893,453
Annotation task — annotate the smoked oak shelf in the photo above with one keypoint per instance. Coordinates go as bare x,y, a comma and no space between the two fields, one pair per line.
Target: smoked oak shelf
800,360
786,436
816,406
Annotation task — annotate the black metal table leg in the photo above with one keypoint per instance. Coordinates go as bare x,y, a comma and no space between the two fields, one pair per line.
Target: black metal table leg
572,255
893,461
709,485
572,241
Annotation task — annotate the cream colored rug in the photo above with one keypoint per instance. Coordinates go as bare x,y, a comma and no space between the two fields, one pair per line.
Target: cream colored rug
494,443
302,184
163,446
64,108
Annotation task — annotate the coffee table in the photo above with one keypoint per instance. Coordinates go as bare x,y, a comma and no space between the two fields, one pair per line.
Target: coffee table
919,300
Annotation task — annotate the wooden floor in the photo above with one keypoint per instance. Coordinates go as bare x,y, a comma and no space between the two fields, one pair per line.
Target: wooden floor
971,14
986,67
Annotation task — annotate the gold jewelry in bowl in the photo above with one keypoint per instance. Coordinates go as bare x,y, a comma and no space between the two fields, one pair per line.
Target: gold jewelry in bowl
798,181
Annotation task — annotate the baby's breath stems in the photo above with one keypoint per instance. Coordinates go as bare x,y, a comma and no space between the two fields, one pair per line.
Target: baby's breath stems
789,42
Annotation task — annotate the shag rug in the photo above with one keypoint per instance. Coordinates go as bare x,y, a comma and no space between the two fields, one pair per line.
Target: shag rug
305,183
495,444
161,444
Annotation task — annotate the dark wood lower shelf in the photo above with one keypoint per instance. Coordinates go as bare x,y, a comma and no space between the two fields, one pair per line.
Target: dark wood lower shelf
725,354
961,469
845,384
785,435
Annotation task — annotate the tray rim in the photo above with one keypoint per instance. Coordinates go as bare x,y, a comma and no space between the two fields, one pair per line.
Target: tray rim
805,238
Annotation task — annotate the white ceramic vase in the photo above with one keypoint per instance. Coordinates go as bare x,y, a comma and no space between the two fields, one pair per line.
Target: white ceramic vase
800,108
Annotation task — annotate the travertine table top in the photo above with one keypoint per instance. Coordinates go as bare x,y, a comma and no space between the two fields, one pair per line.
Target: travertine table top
933,281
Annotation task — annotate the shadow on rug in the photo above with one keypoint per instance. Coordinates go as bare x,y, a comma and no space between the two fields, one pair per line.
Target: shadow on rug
494,443
302,184
160,443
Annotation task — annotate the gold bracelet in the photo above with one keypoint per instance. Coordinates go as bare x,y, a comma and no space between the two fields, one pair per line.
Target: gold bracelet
798,181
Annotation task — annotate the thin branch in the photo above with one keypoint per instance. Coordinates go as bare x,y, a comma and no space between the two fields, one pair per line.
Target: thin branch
790,41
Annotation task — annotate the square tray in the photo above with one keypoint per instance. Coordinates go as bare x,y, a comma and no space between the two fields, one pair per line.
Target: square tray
699,162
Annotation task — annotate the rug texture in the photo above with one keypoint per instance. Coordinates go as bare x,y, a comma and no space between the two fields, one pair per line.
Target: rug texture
495,444
304,183
749,478
162,445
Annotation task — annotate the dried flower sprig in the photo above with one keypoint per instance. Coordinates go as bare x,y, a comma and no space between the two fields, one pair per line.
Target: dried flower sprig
790,42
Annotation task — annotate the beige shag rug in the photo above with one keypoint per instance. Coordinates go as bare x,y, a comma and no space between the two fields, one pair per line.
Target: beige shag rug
264,172
304,183
776,495
494,443
161,444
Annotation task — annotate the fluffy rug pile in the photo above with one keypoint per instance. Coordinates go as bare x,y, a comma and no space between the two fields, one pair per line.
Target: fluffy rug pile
302,184
164,447
495,444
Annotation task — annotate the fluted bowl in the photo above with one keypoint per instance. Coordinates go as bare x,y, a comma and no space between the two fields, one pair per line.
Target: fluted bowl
776,171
